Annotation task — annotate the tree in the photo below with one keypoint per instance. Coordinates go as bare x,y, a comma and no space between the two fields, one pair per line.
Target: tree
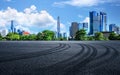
1,37
113,36
45,35
39,36
99,36
32,37
90,38
13,36
118,37
81,35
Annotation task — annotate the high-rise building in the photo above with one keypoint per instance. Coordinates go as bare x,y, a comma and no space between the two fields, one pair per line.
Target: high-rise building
103,21
112,27
14,30
12,26
94,22
4,33
58,27
84,26
73,29
64,35
118,30
98,22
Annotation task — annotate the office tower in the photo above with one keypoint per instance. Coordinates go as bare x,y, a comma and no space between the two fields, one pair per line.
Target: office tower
98,22
118,30
12,27
103,21
94,22
84,26
58,27
4,33
112,27
14,30
64,35
73,29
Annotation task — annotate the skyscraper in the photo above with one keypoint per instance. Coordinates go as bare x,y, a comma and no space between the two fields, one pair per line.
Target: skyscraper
114,28
58,27
98,22
103,21
12,27
84,26
73,29
94,22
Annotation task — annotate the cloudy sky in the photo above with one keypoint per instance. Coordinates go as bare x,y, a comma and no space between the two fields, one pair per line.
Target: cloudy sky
37,15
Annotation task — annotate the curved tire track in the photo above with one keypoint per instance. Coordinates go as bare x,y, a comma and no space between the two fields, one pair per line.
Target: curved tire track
72,64
109,55
60,48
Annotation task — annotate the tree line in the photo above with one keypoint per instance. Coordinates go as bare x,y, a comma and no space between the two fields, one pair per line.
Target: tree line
81,35
44,35
50,35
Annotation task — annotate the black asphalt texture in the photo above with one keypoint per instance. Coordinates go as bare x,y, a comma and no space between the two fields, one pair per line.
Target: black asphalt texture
60,58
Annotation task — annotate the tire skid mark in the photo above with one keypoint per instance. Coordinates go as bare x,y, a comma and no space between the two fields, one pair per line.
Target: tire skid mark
59,48
57,67
111,55
77,68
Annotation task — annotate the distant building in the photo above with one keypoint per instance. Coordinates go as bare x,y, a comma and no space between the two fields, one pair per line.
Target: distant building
25,33
103,21
58,27
64,35
98,22
4,33
73,29
115,28
20,32
112,27
94,22
84,26
12,26
106,34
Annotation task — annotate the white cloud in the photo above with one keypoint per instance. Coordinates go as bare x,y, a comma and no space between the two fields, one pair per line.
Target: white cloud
87,19
83,3
29,17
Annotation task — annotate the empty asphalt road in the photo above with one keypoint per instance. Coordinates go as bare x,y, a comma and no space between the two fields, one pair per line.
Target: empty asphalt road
60,58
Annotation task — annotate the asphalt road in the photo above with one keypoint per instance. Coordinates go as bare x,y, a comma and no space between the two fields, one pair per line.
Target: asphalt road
60,58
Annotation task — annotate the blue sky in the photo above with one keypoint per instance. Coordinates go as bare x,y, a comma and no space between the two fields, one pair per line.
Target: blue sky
37,15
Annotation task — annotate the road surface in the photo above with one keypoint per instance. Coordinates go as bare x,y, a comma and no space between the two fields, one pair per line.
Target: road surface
60,58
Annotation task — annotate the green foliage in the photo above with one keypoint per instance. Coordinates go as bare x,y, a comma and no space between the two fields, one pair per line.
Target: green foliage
113,36
28,37
118,37
81,35
90,38
1,37
45,35
13,36
99,36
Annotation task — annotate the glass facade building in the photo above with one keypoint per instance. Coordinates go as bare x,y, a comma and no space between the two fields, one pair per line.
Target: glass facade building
94,22
98,22
73,29
103,21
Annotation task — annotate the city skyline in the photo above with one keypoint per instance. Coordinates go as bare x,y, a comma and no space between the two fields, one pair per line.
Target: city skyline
35,16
